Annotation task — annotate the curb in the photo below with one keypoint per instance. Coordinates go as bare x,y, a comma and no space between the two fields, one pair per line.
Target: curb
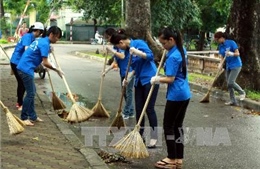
89,154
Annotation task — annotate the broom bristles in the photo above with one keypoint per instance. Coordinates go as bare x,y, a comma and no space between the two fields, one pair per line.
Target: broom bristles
15,127
99,110
118,121
57,102
205,99
132,145
79,113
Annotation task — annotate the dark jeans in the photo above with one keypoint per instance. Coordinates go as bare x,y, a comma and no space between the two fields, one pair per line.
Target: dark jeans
28,111
20,87
174,114
141,93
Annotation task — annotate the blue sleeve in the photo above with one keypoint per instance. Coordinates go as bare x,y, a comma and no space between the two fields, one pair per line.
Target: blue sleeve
233,46
44,49
142,46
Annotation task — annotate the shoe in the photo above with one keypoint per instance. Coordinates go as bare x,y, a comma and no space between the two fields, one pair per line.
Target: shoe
132,116
20,108
28,123
165,165
242,97
37,120
231,104
125,117
152,144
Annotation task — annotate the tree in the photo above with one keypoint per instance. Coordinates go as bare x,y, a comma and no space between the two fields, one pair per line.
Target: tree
244,26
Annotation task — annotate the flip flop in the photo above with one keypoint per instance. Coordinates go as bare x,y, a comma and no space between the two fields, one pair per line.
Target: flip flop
165,165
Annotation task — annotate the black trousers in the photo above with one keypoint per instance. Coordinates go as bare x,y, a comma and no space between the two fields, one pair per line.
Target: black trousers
20,87
174,114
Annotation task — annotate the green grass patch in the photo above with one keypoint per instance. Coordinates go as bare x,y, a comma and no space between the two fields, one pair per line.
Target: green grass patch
254,95
194,76
3,41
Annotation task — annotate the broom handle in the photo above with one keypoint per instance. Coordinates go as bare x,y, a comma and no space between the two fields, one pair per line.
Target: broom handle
151,91
52,88
124,87
65,82
5,52
217,75
102,77
22,16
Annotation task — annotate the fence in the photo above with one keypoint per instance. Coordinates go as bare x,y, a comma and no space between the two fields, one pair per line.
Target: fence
205,62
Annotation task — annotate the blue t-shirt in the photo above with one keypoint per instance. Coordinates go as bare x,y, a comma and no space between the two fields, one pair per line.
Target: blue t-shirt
122,63
26,40
179,89
32,57
144,69
231,61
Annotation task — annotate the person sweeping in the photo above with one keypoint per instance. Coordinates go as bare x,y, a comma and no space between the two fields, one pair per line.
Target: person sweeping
36,54
144,68
178,96
35,31
122,60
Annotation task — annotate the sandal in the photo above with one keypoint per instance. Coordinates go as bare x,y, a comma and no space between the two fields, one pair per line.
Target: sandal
165,165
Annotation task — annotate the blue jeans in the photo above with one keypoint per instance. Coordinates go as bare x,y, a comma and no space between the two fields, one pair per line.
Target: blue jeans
28,111
129,106
231,76
141,94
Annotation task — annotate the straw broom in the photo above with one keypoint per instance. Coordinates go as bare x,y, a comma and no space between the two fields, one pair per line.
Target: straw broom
205,99
77,112
119,121
99,110
57,103
14,123
132,144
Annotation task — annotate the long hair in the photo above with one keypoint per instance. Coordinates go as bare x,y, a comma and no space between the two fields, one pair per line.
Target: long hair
166,33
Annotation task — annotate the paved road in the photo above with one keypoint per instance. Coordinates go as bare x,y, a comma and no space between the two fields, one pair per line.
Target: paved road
217,136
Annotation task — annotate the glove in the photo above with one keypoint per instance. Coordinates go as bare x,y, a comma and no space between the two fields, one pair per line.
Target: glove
155,80
109,49
60,72
124,82
137,52
228,53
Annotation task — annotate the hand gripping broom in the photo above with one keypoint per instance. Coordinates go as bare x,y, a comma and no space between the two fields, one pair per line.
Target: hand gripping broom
57,103
119,121
99,110
77,112
132,144
14,123
205,99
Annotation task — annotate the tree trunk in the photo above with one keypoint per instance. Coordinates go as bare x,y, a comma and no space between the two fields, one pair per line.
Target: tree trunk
2,13
244,26
138,24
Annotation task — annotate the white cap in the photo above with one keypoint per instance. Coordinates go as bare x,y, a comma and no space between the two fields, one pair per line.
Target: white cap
38,25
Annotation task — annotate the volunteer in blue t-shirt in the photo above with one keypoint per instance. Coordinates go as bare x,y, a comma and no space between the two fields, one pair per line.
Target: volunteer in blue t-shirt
34,31
229,49
121,58
178,96
34,55
143,68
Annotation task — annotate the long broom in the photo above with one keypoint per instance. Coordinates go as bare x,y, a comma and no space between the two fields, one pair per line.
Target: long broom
132,144
14,123
77,112
11,72
57,103
119,121
99,109
205,99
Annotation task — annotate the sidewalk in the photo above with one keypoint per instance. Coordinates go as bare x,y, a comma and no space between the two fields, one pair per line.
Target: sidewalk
47,145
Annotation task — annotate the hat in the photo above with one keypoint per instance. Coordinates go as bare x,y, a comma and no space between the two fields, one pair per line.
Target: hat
38,25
